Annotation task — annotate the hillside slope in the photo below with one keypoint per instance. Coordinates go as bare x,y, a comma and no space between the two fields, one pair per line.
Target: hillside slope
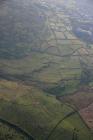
42,59
38,113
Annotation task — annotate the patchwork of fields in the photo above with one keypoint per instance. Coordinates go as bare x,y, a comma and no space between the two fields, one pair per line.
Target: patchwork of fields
43,65
39,113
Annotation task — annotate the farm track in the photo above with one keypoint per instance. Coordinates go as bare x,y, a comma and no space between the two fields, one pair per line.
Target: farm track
52,131
67,55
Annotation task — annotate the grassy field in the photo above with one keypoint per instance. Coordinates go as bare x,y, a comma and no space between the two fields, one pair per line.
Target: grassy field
38,113
40,60
83,101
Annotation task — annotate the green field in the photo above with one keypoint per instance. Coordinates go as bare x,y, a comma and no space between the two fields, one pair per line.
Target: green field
41,60
38,113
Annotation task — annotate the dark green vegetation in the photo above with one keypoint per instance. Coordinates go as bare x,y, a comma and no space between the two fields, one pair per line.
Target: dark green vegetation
20,29
8,133
41,60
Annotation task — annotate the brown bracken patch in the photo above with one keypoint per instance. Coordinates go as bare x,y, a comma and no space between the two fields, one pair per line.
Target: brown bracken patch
83,101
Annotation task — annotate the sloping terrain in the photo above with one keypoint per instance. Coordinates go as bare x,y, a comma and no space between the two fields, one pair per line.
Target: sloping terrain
8,133
42,60
83,101
39,113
